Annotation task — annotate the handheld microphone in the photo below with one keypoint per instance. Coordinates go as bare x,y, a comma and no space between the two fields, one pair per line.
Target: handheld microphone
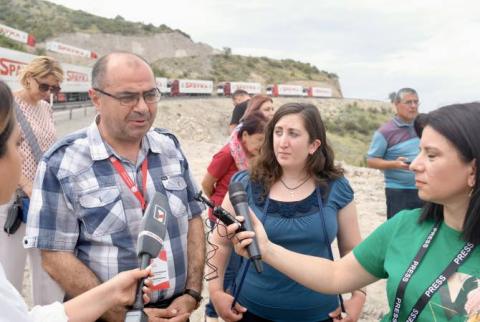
238,197
153,229
223,215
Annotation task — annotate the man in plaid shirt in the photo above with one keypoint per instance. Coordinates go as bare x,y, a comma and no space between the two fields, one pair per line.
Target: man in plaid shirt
91,190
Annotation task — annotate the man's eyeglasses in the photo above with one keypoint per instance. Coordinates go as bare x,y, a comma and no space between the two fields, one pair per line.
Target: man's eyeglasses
45,87
411,102
131,99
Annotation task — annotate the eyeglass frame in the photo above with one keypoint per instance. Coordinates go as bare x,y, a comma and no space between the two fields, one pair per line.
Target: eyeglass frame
43,87
137,95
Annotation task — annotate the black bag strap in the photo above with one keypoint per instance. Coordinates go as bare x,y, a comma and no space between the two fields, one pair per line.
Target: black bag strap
14,218
28,132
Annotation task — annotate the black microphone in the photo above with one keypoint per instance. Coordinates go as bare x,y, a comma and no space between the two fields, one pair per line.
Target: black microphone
238,197
223,215
153,229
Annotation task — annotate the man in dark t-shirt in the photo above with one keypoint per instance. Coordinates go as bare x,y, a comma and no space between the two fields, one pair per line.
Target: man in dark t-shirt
240,100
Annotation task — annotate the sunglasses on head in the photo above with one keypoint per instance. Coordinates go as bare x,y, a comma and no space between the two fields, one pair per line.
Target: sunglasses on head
45,87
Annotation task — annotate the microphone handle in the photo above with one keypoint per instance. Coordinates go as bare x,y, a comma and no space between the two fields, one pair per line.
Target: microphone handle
253,249
144,262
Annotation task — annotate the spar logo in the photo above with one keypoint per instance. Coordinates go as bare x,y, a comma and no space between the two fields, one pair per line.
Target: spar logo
10,68
73,76
196,85
247,87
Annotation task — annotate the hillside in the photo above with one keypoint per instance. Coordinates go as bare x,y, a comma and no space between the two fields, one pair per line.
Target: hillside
245,68
46,20
173,53
152,47
49,21
350,123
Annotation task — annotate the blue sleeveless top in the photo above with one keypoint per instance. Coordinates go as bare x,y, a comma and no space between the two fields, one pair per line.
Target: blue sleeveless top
297,226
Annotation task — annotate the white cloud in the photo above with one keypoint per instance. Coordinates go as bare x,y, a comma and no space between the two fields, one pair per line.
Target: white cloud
375,46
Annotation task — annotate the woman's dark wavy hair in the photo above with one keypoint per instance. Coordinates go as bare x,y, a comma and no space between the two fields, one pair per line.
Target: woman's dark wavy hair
266,170
460,124
7,118
252,124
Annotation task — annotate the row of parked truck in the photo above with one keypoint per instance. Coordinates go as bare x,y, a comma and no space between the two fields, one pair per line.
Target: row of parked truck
78,80
177,87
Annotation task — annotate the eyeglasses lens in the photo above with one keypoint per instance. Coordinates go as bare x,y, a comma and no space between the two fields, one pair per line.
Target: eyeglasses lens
45,87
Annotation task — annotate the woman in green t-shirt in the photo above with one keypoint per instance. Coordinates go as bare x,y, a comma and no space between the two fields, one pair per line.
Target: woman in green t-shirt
428,256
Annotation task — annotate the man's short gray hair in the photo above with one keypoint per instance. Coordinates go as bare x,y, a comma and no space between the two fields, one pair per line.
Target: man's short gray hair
402,92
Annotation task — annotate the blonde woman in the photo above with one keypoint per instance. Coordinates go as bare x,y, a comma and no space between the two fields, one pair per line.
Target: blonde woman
39,79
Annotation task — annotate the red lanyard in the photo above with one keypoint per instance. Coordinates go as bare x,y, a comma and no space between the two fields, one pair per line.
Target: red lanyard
129,182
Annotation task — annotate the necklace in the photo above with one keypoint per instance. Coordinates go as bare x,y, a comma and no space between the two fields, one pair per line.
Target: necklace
297,186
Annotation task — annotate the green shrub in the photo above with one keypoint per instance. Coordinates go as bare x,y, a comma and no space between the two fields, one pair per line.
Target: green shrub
45,20
12,44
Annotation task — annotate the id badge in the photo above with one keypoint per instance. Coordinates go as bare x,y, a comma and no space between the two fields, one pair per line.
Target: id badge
160,278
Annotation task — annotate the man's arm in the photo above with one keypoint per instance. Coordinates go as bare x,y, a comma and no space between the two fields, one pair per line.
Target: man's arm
381,164
376,153
196,262
208,184
195,254
75,278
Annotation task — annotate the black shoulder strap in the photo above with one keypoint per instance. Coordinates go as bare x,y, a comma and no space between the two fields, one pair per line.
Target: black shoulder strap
28,132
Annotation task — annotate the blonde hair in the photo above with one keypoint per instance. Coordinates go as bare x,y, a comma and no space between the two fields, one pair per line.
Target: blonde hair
41,67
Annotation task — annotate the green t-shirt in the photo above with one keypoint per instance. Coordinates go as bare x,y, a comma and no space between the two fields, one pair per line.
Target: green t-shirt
390,249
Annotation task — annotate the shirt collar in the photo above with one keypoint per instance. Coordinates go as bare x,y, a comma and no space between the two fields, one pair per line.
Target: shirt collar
401,123
100,150
151,142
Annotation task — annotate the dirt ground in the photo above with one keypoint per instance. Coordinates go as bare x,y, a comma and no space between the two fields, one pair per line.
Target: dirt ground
201,126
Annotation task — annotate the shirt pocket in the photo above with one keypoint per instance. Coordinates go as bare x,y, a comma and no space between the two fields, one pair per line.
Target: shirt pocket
176,189
101,211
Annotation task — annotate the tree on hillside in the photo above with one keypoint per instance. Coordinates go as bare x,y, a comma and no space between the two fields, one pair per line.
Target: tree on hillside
227,51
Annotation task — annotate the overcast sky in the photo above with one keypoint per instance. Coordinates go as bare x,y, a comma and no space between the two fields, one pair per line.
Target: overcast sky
374,46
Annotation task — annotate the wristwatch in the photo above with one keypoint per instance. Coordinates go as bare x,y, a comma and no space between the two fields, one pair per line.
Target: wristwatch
196,295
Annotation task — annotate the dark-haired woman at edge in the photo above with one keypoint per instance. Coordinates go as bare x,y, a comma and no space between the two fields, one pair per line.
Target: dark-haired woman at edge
430,257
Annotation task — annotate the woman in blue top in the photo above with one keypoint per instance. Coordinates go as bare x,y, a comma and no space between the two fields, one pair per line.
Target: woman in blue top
304,201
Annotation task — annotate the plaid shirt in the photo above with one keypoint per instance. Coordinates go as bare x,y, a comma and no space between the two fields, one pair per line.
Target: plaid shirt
81,204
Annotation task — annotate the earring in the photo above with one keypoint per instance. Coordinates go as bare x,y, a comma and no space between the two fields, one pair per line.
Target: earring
470,193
